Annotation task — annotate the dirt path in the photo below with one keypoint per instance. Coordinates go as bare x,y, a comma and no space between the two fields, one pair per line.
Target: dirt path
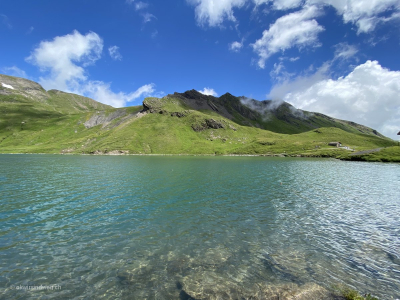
366,151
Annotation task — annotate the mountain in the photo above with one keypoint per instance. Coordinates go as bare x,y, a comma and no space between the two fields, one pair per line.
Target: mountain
34,120
280,117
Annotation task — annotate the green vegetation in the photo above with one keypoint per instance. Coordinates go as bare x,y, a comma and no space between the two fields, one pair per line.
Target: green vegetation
57,122
389,154
350,294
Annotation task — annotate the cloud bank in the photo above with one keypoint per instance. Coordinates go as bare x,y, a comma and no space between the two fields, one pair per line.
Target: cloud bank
368,95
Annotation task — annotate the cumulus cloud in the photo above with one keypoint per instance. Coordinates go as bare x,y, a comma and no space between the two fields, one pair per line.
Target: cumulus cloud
64,59
368,95
14,71
297,29
290,84
213,13
114,53
209,92
235,46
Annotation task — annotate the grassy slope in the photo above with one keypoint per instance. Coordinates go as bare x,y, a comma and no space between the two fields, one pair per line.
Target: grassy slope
52,132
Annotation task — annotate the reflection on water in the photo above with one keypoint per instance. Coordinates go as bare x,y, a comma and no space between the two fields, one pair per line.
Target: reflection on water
197,227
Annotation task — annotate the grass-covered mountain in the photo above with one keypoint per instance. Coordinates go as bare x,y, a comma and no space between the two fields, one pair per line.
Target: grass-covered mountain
33,120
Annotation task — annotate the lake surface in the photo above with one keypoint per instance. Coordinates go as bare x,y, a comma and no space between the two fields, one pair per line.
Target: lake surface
151,227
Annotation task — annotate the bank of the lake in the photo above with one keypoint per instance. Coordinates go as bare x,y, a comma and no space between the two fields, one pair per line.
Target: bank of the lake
162,227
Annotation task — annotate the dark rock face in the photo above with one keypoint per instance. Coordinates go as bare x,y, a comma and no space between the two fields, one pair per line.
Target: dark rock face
208,124
179,114
211,123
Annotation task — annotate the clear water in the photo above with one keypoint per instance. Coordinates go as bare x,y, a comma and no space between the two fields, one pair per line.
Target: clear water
129,227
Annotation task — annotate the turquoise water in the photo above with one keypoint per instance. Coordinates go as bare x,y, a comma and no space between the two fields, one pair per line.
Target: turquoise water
151,227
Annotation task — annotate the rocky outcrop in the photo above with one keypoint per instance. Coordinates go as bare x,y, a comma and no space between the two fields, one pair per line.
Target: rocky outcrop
101,118
208,124
180,114
113,152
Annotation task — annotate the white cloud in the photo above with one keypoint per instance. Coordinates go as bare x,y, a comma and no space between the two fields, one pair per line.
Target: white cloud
214,12
281,4
130,1
345,51
141,5
147,17
365,14
297,29
369,95
114,53
61,57
304,81
14,71
101,91
64,60
235,46
6,21
279,72
209,92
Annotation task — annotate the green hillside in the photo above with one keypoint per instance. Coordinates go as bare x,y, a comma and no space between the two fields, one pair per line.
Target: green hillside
35,121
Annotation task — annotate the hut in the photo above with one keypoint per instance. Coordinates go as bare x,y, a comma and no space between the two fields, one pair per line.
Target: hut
335,144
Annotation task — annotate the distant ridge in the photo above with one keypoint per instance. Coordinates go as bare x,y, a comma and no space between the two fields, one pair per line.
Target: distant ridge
54,99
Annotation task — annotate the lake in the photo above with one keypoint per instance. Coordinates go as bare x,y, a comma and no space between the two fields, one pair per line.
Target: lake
166,227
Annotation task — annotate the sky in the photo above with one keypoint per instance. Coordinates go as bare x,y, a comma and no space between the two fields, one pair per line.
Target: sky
337,57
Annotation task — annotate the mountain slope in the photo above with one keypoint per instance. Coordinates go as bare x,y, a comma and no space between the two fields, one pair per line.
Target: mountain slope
15,89
35,121
280,117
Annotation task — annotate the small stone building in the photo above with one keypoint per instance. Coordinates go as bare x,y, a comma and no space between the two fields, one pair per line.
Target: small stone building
335,144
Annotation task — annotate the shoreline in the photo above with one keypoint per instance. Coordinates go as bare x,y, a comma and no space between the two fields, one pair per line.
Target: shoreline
353,158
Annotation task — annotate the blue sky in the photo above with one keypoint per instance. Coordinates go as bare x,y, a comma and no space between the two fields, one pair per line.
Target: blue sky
338,57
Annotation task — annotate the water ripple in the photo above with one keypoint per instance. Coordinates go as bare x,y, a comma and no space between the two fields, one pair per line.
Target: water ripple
157,227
